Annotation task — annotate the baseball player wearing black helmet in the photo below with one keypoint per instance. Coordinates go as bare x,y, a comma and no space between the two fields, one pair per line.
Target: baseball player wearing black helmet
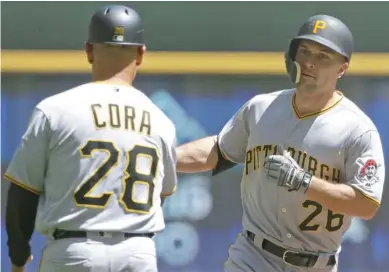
312,160
115,40
98,159
326,31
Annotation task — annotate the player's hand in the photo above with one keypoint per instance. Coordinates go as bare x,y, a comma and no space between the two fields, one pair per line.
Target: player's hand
15,268
287,173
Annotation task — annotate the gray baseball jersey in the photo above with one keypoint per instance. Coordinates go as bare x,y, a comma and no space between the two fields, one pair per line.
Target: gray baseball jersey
339,144
100,156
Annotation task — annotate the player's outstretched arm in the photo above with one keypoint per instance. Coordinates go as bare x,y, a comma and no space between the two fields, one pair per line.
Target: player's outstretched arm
217,153
197,156
202,155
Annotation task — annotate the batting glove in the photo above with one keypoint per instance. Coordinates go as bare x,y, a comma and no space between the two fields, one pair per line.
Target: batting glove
285,170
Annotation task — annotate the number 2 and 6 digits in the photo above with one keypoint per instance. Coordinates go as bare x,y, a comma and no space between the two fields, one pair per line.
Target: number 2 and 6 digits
333,223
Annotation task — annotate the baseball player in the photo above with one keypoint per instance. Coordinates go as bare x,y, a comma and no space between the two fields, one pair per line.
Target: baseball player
312,160
97,158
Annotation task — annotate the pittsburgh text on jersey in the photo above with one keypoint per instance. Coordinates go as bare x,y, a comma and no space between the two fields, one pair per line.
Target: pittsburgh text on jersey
255,155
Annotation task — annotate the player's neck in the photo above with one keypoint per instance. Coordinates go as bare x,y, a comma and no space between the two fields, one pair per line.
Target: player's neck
307,103
123,77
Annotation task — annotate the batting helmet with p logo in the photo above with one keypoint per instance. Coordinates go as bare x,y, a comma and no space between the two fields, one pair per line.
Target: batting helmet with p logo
325,30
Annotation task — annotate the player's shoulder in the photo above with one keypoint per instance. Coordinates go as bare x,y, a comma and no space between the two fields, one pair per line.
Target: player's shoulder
352,115
63,98
270,97
265,99
162,117
165,126
60,103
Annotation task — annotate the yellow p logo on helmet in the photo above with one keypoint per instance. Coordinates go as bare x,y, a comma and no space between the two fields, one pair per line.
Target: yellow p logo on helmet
319,24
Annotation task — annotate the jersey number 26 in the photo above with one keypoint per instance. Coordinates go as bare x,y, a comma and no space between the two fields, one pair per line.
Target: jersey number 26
334,221
131,177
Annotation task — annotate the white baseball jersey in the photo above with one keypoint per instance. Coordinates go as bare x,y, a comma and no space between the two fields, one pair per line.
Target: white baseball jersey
100,156
339,144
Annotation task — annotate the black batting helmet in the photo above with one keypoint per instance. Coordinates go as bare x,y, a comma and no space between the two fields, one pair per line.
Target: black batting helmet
325,30
116,25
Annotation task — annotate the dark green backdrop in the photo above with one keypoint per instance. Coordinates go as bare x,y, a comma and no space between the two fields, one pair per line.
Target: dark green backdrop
193,25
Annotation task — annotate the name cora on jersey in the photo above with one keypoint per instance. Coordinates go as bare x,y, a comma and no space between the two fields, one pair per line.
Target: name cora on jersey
121,117
309,163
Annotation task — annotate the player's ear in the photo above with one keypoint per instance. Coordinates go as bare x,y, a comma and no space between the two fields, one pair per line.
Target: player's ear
343,69
89,52
141,52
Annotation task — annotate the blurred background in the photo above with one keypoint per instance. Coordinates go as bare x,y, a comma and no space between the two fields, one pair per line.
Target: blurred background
204,61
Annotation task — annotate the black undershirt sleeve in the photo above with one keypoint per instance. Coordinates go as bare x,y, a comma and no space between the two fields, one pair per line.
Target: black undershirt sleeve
222,163
20,221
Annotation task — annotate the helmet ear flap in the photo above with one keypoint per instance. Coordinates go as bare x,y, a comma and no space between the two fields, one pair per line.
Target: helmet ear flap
292,66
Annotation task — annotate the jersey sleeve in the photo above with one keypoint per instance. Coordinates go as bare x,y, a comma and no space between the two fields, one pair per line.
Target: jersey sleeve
170,160
232,139
28,165
365,166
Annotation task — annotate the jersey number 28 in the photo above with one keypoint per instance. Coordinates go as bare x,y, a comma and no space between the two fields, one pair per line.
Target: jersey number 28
131,177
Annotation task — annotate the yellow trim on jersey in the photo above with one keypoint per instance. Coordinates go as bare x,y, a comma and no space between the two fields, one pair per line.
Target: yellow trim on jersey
225,156
375,201
299,116
20,184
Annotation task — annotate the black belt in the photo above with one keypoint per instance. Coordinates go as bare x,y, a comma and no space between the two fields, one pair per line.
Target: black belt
290,256
63,234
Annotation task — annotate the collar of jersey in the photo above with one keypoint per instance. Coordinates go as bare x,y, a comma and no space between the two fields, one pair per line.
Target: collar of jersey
112,82
299,116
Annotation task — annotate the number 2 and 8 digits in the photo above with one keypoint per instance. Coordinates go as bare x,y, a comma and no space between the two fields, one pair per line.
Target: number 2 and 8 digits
132,176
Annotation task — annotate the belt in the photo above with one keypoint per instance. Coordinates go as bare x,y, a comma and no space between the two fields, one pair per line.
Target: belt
63,234
290,256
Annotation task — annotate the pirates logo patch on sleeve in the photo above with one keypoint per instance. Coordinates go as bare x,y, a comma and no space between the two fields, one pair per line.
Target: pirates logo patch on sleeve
367,172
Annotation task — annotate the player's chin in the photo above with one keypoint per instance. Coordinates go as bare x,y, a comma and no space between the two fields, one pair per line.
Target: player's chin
307,86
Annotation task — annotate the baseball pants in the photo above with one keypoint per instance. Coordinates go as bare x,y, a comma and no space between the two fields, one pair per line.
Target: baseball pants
245,256
99,254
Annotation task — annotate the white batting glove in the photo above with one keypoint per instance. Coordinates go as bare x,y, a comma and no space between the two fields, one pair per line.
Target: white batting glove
285,170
